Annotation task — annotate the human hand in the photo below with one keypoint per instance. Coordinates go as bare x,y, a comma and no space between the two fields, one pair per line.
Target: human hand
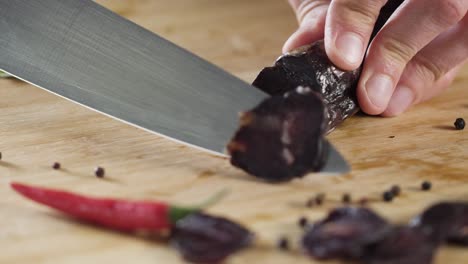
412,59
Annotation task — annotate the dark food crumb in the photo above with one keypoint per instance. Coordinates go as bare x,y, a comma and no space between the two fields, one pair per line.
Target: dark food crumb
310,203
346,198
0,156
319,198
387,196
426,186
395,190
56,166
363,201
283,243
99,172
391,137
303,222
459,124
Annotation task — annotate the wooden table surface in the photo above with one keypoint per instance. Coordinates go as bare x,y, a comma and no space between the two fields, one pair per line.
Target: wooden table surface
242,36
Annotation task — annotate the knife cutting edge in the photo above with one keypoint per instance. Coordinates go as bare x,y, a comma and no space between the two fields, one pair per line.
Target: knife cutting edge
83,52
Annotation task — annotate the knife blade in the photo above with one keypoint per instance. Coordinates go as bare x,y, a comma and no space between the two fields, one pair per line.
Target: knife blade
83,52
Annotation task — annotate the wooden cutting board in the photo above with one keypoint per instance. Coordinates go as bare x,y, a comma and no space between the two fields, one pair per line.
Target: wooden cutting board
242,36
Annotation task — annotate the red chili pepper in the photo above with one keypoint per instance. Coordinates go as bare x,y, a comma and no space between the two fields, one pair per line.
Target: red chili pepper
118,214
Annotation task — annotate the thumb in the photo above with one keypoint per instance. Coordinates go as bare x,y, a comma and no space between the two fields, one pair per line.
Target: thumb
311,16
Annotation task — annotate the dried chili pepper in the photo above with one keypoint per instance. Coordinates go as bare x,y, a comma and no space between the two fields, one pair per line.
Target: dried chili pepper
117,214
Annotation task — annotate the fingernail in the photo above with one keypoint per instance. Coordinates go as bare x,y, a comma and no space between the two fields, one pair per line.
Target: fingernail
379,90
401,100
350,47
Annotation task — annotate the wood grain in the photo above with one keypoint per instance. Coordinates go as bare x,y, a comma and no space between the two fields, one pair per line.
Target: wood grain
242,36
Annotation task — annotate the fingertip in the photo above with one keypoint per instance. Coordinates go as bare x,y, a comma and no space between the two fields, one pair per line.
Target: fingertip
306,34
292,42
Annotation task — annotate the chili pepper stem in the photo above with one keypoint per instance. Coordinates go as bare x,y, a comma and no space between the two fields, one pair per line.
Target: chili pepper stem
178,212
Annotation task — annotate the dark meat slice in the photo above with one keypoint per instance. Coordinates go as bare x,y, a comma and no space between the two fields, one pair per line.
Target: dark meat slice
345,234
309,66
402,245
446,221
201,238
283,137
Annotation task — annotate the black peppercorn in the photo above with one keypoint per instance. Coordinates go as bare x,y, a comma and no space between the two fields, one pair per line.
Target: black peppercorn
387,196
99,172
395,190
426,186
56,166
319,198
459,124
302,222
283,243
346,198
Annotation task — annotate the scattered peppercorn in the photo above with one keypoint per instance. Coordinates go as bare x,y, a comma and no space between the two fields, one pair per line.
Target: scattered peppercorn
426,186
319,198
346,198
395,190
459,124
363,201
388,196
283,243
303,222
310,203
99,172
56,166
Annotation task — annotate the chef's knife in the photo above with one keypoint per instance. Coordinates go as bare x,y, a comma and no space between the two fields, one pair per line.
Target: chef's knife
81,51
